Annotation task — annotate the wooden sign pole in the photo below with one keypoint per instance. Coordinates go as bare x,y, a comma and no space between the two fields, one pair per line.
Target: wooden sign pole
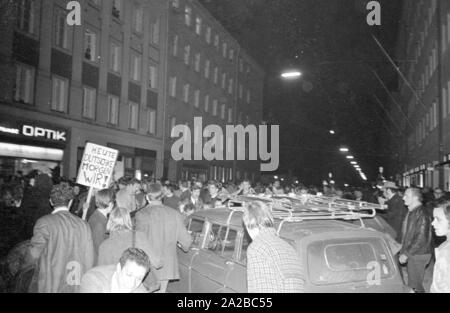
88,203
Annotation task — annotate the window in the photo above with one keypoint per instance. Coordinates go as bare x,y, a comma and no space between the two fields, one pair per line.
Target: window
138,18
61,29
222,111
206,103
153,77
60,92
195,228
26,15
215,104
231,56
113,110
151,121
241,65
197,98
230,86
241,91
230,115
248,97
216,41
173,86
216,75
197,62
187,54
208,35
173,123
224,49
207,68
187,15
24,87
155,32
224,80
133,116
117,8
89,99
221,240
175,46
90,45
186,93
346,260
115,59
198,26
135,67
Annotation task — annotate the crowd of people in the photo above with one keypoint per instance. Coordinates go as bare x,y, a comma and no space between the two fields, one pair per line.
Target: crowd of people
125,239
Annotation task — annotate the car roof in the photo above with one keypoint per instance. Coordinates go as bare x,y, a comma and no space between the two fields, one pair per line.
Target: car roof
290,230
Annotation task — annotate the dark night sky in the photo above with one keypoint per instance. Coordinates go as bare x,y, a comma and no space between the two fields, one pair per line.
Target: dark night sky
331,43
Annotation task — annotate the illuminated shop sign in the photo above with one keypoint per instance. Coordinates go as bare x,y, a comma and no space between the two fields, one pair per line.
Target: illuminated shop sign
35,132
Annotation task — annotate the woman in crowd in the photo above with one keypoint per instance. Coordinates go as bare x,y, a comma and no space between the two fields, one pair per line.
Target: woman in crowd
121,237
441,274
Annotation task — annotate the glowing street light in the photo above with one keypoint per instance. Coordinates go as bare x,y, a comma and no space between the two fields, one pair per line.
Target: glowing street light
354,163
291,74
332,132
350,157
343,149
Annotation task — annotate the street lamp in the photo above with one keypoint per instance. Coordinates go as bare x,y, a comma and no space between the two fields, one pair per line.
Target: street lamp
350,157
343,149
354,163
332,132
291,74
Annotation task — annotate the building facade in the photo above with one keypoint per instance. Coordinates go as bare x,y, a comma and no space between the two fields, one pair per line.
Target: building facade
423,110
100,82
212,77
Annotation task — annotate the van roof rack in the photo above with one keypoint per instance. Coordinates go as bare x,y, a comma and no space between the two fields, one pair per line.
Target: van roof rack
309,207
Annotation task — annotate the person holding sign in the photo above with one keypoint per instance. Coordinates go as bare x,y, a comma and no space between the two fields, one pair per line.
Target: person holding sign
126,198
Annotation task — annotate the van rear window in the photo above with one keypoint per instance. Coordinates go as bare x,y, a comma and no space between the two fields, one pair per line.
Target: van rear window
348,260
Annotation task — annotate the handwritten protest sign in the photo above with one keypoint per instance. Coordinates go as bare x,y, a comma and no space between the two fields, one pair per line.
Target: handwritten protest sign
97,166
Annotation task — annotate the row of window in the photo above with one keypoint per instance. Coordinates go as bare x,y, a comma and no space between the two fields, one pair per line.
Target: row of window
427,124
227,83
24,91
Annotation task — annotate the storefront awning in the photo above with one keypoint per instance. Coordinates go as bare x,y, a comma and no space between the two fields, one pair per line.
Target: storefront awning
30,152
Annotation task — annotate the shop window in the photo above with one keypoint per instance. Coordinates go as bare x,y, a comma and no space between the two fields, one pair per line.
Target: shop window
26,15
90,45
24,85
89,100
60,89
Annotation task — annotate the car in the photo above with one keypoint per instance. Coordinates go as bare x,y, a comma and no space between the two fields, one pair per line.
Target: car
337,256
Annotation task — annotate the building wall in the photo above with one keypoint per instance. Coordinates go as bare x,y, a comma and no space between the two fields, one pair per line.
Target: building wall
418,45
249,75
39,52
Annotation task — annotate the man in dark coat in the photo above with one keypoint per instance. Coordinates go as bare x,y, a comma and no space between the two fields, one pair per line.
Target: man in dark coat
61,246
416,243
165,230
35,202
396,209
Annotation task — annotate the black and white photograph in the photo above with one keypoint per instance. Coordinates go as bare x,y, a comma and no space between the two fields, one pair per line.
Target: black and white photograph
247,148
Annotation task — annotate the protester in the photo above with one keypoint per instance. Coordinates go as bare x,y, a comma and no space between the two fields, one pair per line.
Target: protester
104,201
126,197
441,273
273,266
396,210
35,203
170,199
416,243
165,229
61,245
125,277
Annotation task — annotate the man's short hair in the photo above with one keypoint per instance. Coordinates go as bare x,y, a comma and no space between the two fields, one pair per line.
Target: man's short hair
124,180
135,255
257,215
215,183
154,191
104,198
184,184
446,207
61,194
133,181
